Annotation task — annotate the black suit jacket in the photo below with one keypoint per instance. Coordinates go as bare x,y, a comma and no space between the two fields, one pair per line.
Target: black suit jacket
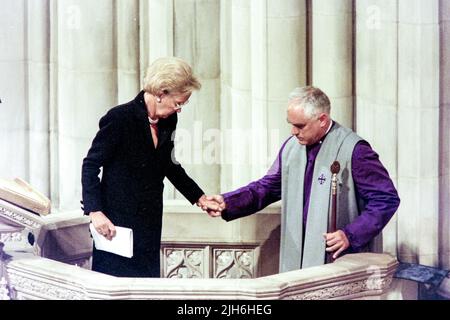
131,187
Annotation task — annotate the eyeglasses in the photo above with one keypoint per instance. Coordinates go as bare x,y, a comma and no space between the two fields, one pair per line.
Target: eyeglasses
179,96
180,105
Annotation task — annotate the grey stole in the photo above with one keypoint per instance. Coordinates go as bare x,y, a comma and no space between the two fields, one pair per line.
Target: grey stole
338,145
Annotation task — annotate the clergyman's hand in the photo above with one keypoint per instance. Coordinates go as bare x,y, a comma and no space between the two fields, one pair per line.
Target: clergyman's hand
213,205
102,224
336,242
220,201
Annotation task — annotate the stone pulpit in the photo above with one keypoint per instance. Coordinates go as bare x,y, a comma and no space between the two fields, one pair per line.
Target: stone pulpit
61,236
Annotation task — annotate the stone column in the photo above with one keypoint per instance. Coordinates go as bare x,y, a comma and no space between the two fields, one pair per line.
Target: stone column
263,59
197,40
161,29
156,32
259,87
14,115
286,65
225,90
444,147
38,87
237,94
128,49
84,87
24,94
376,88
332,56
418,130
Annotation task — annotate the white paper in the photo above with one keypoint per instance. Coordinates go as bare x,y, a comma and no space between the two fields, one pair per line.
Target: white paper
121,244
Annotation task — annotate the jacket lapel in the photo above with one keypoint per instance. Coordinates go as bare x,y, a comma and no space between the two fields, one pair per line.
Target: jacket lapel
165,126
140,113
163,135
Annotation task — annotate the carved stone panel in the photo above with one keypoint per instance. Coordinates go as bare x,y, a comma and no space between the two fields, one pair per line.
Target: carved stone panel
63,237
343,290
29,288
209,261
11,237
16,240
234,263
16,227
184,263
15,215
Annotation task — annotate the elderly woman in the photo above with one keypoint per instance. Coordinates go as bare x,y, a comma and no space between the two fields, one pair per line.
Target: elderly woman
134,148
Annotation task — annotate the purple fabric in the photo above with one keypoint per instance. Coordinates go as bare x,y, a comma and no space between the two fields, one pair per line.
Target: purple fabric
371,179
311,155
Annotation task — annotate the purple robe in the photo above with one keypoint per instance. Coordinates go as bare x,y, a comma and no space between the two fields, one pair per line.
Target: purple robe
372,182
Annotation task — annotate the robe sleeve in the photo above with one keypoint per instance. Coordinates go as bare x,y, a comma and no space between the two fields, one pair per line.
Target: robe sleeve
257,195
376,189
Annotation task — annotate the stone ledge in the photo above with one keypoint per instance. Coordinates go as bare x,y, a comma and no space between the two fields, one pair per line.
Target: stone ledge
352,276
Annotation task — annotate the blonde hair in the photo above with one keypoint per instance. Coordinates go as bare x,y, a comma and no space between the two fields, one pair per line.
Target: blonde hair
170,74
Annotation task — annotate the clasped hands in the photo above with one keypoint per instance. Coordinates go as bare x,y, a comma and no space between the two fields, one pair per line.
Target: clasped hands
212,205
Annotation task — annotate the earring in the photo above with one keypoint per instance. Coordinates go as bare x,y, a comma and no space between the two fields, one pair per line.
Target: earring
158,99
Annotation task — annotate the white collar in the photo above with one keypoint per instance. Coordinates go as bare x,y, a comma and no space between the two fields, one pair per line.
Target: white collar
328,130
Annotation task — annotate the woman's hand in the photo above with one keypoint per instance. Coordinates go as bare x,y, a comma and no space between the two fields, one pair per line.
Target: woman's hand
102,224
213,205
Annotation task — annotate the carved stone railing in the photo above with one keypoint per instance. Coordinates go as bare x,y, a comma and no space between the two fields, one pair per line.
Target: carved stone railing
357,276
210,265
60,236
